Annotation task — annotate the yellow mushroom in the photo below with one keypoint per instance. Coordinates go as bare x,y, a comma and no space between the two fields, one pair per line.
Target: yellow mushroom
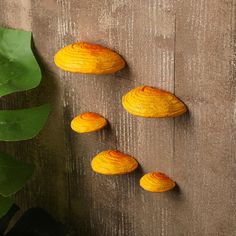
156,182
88,122
112,162
147,101
87,58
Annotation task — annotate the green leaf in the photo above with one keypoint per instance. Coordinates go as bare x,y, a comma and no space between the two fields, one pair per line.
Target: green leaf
13,174
22,124
19,69
5,205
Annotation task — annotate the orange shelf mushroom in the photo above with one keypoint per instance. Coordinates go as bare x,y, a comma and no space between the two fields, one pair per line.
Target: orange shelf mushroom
88,122
147,101
156,182
87,58
112,162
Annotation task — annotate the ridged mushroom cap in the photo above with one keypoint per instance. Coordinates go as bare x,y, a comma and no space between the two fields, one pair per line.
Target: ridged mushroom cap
156,182
112,162
88,122
147,101
87,58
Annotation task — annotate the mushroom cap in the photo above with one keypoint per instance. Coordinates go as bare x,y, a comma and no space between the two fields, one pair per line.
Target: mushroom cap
88,122
87,58
156,182
113,162
147,101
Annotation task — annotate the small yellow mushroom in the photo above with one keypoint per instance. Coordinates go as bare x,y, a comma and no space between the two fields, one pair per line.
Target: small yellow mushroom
147,101
88,122
156,182
112,162
87,58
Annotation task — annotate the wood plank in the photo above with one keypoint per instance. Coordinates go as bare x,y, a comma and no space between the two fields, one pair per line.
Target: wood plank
204,140
155,30
96,203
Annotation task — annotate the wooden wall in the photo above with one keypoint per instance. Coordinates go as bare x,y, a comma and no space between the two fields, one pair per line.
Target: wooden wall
183,46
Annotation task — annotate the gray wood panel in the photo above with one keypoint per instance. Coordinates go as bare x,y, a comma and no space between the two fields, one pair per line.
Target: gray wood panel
184,46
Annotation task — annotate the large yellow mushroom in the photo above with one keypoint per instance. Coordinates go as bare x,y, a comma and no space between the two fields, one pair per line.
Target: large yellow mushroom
147,101
87,58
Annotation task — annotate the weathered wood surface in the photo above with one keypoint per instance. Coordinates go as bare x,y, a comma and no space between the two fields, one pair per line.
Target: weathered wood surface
184,46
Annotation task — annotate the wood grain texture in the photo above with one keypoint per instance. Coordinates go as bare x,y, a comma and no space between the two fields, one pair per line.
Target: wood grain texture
184,46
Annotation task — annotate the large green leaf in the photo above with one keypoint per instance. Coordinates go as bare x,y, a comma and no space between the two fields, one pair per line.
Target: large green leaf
5,205
22,124
13,174
19,69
